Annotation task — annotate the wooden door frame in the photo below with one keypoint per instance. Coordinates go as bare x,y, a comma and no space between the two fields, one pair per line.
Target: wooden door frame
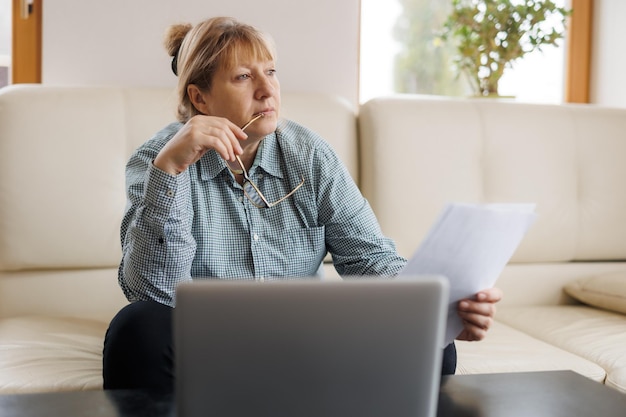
26,41
578,72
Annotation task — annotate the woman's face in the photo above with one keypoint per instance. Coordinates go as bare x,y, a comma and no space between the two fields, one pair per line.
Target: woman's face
239,93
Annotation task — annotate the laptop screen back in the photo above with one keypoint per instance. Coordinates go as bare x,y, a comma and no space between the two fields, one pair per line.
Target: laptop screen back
361,347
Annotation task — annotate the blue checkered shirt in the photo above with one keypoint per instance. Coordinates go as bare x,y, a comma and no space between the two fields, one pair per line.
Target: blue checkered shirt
199,224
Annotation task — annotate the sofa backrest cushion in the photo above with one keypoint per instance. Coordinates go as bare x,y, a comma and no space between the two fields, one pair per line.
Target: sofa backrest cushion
63,152
419,153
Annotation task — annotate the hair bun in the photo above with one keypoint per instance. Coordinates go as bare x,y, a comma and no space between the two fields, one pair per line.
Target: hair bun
173,40
174,37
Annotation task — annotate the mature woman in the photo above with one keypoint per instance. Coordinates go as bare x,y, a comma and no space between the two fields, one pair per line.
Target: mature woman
232,192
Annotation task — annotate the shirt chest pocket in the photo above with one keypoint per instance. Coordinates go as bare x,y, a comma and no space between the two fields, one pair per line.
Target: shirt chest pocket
295,252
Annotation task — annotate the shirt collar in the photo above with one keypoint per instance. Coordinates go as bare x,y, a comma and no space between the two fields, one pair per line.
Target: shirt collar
267,158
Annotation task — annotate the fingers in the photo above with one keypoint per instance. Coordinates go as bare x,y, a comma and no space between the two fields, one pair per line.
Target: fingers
200,134
469,307
490,295
478,314
216,133
475,325
472,334
224,142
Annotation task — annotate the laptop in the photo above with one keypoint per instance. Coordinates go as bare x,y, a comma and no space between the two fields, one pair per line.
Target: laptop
299,348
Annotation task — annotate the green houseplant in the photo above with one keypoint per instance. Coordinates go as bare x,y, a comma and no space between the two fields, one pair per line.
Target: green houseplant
489,35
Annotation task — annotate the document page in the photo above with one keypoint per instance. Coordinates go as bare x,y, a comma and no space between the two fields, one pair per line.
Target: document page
470,245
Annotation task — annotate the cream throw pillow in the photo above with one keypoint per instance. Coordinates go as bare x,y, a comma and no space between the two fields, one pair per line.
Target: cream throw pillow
605,291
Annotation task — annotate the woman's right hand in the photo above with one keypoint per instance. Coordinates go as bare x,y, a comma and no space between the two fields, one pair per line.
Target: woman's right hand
200,134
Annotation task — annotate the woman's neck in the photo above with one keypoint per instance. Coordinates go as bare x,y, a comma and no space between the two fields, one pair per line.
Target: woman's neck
249,152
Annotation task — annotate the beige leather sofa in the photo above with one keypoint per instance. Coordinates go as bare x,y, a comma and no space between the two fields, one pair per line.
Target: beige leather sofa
62,157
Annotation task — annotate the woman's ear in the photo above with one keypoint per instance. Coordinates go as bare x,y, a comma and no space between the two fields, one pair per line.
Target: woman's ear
197,98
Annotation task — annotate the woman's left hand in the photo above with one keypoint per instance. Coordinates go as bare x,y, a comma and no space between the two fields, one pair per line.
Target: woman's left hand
477,314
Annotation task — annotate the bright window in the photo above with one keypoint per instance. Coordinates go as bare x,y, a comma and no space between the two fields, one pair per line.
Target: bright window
5,41
389,66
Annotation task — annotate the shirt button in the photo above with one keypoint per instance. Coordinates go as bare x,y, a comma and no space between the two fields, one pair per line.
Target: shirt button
256,237
240,199
169,193
260,176
261,279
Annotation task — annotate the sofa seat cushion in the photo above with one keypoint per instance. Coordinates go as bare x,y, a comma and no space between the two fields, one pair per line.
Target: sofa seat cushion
594,334
506,349
39,354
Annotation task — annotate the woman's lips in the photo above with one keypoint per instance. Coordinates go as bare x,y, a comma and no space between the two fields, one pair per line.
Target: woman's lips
264,112
256,117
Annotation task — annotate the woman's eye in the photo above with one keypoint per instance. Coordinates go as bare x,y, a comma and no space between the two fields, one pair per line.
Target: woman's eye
243,76
271,72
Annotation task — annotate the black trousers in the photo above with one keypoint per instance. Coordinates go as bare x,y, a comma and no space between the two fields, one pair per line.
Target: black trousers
139,353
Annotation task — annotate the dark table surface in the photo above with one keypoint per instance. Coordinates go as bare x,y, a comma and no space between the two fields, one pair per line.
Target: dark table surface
533,394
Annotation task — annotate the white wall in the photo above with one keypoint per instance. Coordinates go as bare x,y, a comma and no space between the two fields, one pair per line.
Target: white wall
608,84
119,42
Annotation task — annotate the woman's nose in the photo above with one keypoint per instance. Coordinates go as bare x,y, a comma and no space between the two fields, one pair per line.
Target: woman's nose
265,88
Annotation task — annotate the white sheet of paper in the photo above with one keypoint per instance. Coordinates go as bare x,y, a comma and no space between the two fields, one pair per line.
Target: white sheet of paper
470,245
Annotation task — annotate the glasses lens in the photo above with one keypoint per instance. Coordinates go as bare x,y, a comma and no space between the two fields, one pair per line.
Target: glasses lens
253,195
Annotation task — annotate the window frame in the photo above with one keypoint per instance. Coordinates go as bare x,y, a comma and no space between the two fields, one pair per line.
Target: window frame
578,67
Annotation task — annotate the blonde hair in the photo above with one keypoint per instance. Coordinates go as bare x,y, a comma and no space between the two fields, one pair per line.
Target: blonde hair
199,51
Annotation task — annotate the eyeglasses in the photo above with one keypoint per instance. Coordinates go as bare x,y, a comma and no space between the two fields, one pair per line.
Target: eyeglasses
250,189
